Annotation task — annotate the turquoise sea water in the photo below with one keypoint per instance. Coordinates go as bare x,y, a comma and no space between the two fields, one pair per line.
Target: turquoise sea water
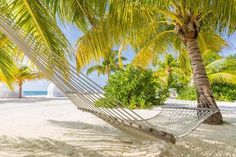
35,93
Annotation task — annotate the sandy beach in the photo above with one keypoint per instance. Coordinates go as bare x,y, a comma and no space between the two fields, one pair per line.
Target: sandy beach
53,127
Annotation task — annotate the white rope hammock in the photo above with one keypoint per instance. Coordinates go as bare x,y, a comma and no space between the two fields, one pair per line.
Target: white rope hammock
172,121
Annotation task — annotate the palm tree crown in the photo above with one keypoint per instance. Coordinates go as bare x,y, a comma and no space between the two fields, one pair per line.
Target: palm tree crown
109,64
24,73
168,21
170,72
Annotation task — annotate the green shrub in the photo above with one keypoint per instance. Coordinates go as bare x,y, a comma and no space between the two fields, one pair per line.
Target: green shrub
187,93
224,92
134,87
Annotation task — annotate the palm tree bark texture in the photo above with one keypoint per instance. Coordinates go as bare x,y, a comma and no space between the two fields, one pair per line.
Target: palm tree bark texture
20,89
189,35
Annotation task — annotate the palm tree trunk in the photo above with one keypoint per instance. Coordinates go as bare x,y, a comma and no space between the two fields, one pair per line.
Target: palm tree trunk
169,77
120,56
205,94
108,72
20,90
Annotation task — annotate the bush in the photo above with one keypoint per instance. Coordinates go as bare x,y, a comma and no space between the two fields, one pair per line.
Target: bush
224,92
135,88
221,91
187,93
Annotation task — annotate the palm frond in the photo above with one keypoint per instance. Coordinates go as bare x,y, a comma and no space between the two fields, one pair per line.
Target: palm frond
210,40
100,69
7,69
223,77
83,13
25,73
221,65
36,20
158,43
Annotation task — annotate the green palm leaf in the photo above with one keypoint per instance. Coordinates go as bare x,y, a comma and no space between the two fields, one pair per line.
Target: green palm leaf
7,69
36,20
223,77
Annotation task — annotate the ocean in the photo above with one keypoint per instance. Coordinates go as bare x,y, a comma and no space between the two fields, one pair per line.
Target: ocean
35,93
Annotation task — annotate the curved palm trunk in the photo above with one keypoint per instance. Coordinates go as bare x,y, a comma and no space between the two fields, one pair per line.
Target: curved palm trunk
169,77
120,56
205,94
108,72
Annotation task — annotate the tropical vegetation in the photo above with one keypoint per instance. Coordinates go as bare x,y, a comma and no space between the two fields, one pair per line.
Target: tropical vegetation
7,65
171,73
12,68
224,92
37,20
12,73
150,27
109,64
221,73
221,91
24,73
135,87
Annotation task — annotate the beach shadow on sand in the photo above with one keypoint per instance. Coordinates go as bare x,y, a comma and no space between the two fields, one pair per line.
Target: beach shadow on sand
42,147
80,139
76,125
99,134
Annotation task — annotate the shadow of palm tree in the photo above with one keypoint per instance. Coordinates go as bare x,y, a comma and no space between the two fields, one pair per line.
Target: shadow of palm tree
80,139
85,126
96,133
43,147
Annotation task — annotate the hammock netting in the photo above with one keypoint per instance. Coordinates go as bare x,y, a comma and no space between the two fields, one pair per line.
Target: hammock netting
175,119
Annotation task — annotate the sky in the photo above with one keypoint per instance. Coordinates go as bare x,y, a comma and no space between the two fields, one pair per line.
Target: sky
73,34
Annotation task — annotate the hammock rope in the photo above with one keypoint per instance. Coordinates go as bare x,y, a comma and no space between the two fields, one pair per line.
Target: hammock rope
174,120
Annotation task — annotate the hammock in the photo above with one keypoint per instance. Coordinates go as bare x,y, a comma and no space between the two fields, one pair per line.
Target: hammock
174,120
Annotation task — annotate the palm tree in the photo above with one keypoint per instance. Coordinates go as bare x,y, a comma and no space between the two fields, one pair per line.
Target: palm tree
25,73
183,22
37,20
220,69
10,59
151,27
109,64
170,72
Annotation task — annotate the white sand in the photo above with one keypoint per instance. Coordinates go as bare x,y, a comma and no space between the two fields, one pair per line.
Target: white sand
54,127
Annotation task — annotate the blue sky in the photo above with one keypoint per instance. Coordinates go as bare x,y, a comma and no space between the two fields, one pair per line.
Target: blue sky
72,33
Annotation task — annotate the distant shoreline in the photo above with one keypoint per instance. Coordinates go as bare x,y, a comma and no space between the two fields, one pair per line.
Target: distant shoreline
34,93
